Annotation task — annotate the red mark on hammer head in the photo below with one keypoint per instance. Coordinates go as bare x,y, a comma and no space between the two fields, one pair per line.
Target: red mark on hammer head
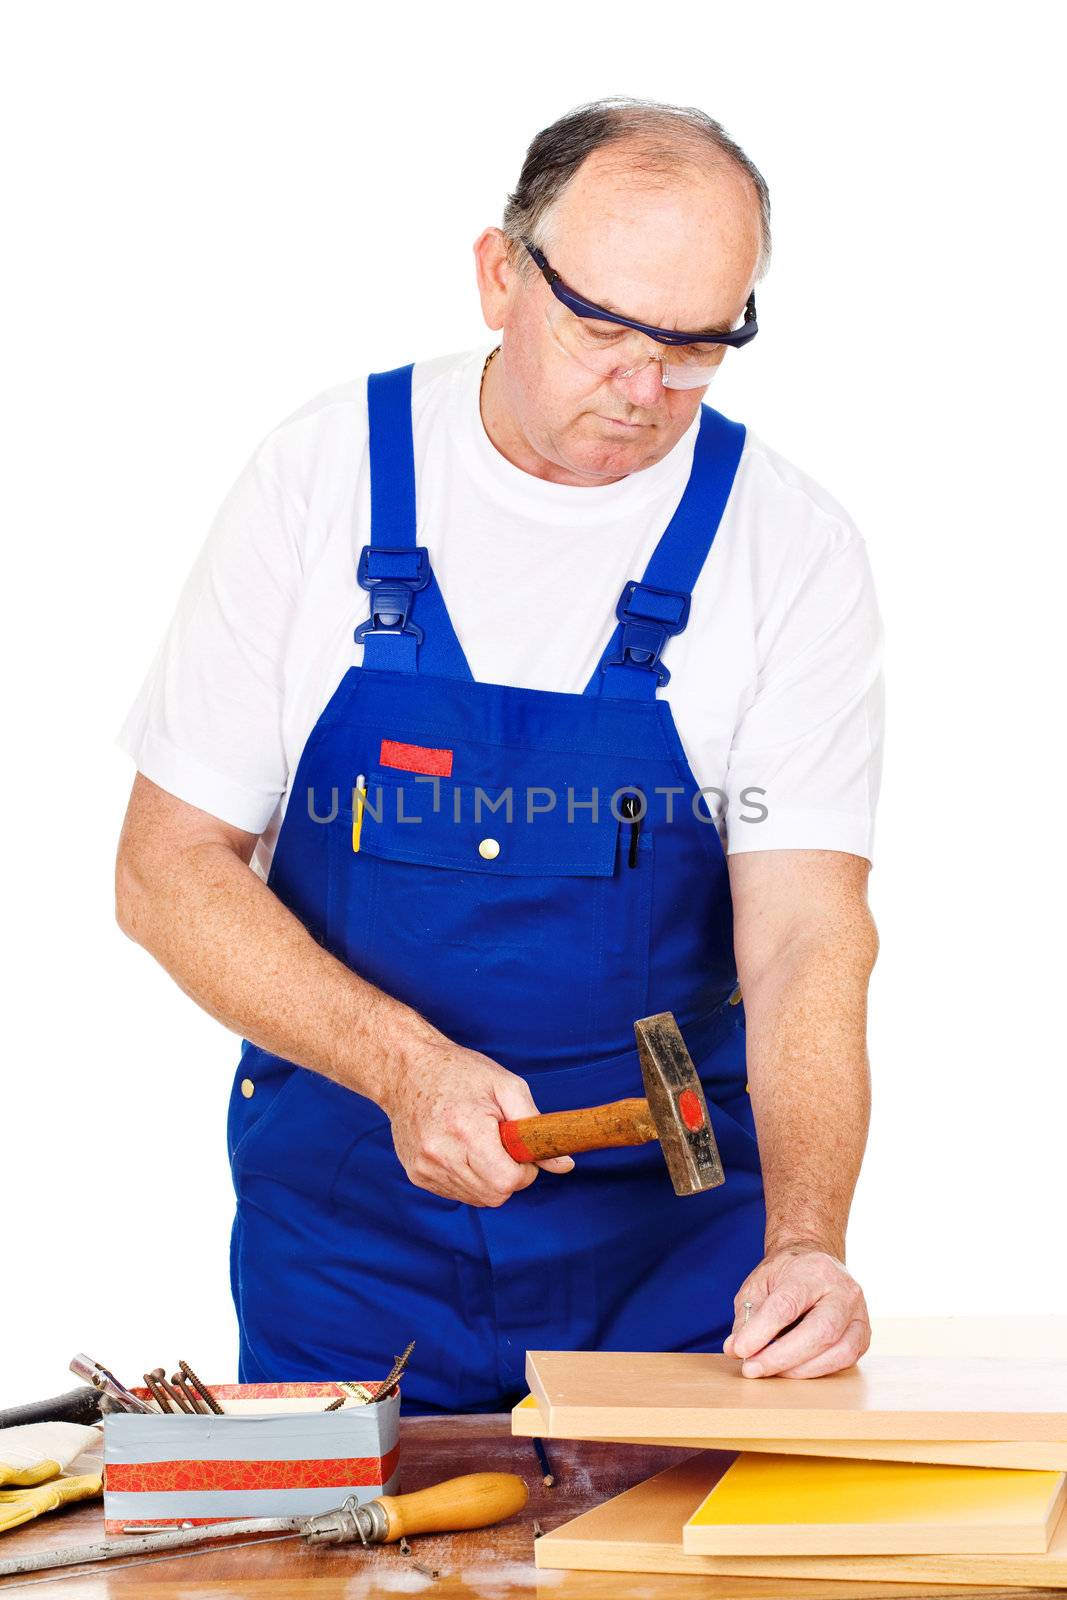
691,1109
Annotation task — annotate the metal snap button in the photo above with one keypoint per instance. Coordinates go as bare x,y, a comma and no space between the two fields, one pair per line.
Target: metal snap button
489,849
248,1088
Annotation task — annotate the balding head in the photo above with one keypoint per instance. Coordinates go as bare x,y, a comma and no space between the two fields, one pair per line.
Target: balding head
648,140
649,211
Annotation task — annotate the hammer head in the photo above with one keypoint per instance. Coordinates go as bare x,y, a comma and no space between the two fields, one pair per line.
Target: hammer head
676,1101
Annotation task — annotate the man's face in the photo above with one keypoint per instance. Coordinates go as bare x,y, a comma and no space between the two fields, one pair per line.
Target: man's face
680,254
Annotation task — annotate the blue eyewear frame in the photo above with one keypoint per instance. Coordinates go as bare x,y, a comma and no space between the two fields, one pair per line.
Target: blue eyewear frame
587,308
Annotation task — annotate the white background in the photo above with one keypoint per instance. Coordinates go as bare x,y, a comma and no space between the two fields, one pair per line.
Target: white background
212,212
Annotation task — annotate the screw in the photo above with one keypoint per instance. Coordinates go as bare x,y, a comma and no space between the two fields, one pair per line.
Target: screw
176,1395
201,1388
159,1395
386,1388
178,1382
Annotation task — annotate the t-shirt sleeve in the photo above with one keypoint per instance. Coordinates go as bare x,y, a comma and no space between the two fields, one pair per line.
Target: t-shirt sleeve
805,763
207,724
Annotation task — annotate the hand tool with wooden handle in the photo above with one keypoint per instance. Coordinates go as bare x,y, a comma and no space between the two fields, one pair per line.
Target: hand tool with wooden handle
475,1501
674,1112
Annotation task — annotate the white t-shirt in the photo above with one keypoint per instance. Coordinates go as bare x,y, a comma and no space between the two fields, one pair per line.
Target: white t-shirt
775,684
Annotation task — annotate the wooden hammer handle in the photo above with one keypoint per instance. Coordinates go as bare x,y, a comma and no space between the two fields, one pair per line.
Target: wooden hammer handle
475,1501
566,1133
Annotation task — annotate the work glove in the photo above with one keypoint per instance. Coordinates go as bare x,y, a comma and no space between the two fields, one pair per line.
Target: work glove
34,1463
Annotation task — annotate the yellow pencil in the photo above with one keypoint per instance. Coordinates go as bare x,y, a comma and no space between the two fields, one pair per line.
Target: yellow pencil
359,795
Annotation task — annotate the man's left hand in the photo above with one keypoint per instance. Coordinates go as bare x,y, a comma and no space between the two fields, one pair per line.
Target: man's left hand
812,1289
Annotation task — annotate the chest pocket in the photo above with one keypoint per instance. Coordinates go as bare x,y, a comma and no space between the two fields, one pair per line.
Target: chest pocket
516,927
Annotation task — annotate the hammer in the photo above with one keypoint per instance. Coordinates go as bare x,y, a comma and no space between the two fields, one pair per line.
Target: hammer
675,1112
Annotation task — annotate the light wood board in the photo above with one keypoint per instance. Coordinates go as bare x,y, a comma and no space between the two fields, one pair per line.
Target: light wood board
689,1395
528,1422
641,1531
808,1505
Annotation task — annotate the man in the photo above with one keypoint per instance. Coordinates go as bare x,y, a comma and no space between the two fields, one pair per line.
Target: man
495,802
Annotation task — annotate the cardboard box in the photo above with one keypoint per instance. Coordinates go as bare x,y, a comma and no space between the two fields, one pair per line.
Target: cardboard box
275,1452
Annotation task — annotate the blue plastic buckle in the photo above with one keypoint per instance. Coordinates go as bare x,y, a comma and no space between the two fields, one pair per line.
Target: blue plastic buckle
649,618
392,590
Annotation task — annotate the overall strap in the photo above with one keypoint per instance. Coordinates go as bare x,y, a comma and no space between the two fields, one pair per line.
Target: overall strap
393,569
652,610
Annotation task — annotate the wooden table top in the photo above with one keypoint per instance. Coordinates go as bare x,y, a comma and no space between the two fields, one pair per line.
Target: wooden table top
492,1564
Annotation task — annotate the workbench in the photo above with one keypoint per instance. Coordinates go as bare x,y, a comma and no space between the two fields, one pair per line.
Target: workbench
492,1564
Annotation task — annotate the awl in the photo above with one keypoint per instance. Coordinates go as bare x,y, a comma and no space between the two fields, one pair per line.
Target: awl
474,1501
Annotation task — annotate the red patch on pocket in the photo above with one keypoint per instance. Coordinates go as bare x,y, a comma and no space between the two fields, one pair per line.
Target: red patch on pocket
416,758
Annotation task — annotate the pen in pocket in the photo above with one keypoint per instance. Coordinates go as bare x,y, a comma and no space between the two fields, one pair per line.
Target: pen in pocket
359,795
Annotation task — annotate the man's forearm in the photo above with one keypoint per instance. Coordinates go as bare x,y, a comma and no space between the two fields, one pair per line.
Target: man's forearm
242,955
809,1081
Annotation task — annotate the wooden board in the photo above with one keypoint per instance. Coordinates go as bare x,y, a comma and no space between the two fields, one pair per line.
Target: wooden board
689,1395
809,1505
528,1422
641,1532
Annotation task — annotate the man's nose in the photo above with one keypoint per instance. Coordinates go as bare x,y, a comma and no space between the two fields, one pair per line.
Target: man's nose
645,387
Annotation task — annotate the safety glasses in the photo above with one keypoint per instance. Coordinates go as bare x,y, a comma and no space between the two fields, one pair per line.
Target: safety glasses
613,346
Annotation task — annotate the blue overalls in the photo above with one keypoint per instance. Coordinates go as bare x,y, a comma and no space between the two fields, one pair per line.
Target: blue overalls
536,931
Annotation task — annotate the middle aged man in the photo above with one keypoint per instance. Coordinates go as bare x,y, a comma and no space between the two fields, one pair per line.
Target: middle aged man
495,801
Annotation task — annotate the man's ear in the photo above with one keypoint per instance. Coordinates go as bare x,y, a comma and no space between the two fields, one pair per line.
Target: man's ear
494,272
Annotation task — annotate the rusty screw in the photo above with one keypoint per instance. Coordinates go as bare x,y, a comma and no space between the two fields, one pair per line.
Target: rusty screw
180,1402
201,1388
159,1395
196,1405
386,1388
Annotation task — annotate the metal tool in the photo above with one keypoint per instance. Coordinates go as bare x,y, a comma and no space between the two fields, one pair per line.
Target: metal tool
106,1382
475,1501
675,1112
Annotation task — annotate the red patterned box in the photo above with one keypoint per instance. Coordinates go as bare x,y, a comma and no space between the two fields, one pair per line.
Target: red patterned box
275,1452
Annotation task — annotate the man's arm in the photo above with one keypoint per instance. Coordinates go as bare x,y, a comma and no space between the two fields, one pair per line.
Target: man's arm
805,944
185,891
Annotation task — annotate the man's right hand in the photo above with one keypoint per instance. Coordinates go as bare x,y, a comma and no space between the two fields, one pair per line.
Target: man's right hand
446,1105
185,892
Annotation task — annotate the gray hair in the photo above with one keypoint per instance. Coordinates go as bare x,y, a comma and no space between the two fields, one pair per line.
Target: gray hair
663,136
